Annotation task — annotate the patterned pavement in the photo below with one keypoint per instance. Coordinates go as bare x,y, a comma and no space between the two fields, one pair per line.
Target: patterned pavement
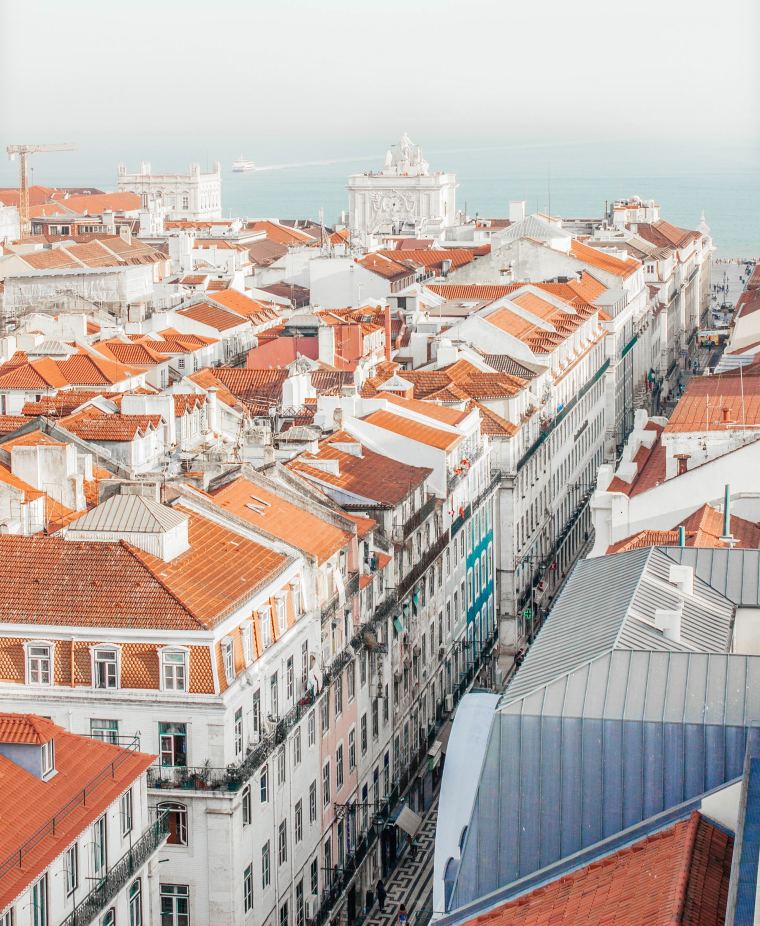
412,881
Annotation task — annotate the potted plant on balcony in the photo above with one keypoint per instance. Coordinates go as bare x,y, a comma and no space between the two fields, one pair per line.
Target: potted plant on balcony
233,777
203,776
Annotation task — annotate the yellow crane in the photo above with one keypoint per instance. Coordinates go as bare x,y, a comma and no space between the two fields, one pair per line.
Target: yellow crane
23,152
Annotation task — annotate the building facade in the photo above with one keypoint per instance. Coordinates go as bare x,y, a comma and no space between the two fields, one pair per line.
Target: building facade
193,196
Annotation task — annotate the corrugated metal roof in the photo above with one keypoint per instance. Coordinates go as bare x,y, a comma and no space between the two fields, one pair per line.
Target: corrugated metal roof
129,514
610,603
620,739
734,573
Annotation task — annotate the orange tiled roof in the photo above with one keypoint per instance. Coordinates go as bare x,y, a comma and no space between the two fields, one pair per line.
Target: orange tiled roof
185,402
27,803
678,875
236,301
603,260
279,517
725,402
414,430
212,315
282,234
441,413
372,476
132,353
93,425
384,266
650,463
95,203
44,373
11,423
432,258
26,729
702,528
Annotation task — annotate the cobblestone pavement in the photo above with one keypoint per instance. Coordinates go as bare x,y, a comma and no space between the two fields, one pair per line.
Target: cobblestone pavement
412,881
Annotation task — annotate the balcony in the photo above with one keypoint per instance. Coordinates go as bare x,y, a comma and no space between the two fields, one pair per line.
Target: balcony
119,875
403,531
428,557
351,588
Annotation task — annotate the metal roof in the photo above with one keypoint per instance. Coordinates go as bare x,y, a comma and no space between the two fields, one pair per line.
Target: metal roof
734,573
602,748
130,514
532,227
609,603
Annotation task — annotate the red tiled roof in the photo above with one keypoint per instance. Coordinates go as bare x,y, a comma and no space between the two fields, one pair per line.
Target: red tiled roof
93,425
236,301
678,875
414,430
725,402
650,463
212,315
282,234
384,266
26,729
603,260
27,803
11,423
703,528
133,353
432,258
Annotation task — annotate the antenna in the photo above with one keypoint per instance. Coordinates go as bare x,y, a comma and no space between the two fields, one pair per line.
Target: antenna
741,384
549,187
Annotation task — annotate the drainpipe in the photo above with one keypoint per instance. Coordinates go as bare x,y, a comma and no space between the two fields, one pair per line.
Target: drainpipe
727,511
681,536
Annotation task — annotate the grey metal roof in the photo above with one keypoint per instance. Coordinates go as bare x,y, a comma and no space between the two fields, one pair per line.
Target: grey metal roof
622,738
734,573
129,514
532,227
609,603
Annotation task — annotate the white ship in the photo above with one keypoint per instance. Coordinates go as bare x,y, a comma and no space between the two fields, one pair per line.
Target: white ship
242,164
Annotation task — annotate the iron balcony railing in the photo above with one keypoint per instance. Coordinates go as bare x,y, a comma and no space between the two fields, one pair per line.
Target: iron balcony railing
17,858
351,588
403,531
428,557
119,875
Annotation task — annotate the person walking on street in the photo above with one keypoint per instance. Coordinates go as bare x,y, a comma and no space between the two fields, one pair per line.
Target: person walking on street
380,891
402,915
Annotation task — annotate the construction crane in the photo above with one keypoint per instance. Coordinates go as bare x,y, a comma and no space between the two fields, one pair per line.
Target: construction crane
23,152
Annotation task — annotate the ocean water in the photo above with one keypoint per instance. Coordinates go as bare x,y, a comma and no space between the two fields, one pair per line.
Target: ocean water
570,179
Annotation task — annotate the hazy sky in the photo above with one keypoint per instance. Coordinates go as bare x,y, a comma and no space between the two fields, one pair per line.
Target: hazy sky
296,79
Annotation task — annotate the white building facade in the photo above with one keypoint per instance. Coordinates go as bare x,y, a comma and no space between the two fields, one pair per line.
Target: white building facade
193,196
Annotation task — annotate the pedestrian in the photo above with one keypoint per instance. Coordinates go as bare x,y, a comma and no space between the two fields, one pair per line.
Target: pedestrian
380,891
402,915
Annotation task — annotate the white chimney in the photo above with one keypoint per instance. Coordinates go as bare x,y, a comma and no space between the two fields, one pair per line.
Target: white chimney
683,578
326,341
447,353
669,622
212,409
516,210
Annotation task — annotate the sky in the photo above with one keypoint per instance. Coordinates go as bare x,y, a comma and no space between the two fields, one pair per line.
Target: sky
296,80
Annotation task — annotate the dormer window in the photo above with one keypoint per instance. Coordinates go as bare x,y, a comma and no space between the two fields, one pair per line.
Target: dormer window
281,618
174,670
105,667
229,659
39,663
246,635
265,628
48,758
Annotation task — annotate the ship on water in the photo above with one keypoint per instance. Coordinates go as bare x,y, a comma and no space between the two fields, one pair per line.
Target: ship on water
242,164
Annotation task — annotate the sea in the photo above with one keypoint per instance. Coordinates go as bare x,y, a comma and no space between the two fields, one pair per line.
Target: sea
568,179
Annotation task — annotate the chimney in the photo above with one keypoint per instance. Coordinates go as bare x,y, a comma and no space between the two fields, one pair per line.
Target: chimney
727,536
109,221
725,411
212,409
268,455
125,233
388,334
338,418
682,577
682,463
326,341
516,210
669,622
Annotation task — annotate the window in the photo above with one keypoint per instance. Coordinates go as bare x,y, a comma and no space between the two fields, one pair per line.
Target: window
172,739
326,784
264,785
351,750
289,679
175,905
312,727
229,659
256,715
39,660
313,802
39,902
99,848
298,821
48,758
176,822
265,626
314,877
375,718
125,812
339,695
304,664
135,903
363,734
339,767
300,911
246,803
106,730
326,712
173,671
297,747
351,676
72,870
363,668
105,668
266,865
284,921
238,731
281,615
281,767
109,918
274,697
248,889
246,635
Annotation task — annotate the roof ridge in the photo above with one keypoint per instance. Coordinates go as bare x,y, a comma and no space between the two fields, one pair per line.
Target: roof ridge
135,553
682,885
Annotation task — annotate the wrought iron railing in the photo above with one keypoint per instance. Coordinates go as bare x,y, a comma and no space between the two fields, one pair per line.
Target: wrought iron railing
48,828
402,531
428,557
351,588
118,875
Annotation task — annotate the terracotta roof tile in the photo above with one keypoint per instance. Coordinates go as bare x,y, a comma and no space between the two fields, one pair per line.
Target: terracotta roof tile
602,260
281,234
212,315
414,430
650,463
26,729
93,425
725,402
702,528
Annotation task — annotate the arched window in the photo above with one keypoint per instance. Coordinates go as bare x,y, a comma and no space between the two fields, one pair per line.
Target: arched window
109,918
176,819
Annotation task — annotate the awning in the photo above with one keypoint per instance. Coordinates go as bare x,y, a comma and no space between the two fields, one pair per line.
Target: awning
434,755
405,818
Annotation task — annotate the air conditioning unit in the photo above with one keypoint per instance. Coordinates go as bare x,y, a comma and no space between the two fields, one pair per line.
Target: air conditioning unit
311,908
448,703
